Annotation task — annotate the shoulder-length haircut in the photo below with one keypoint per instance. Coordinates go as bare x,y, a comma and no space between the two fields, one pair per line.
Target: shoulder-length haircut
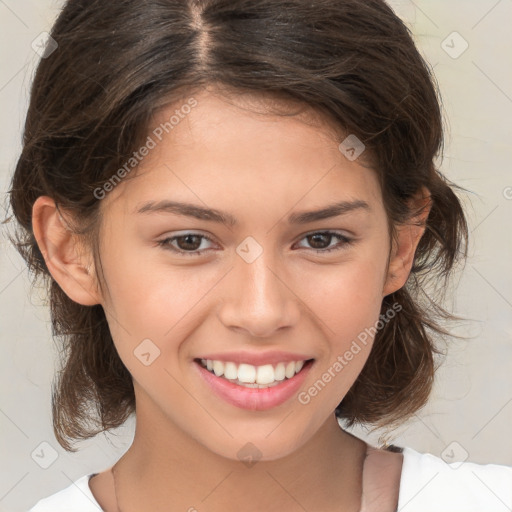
117,62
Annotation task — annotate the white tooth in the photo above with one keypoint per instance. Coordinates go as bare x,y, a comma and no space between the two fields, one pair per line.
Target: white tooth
230,371
279,372
247,373
265,374
250,385
290,369
218,368
271,385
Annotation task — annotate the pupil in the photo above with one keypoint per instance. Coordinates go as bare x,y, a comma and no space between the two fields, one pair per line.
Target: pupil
318,235
188,237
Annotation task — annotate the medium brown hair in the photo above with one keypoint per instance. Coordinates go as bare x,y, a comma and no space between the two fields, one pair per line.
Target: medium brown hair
117,62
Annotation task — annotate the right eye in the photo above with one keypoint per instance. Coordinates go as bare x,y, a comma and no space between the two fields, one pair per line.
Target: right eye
187,239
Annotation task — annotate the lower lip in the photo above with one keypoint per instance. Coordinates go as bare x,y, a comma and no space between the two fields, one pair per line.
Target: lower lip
254,399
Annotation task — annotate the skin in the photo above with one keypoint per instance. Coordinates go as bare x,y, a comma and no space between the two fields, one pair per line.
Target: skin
259,168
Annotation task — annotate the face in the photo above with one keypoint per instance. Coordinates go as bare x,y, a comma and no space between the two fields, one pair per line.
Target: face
269,285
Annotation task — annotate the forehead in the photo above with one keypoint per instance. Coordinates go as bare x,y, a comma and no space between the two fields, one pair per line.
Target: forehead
248,114
238,147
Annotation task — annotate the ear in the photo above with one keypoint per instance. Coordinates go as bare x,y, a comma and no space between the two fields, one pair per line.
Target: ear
60,248
408,236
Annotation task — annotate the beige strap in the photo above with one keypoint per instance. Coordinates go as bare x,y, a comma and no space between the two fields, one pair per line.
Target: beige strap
382,470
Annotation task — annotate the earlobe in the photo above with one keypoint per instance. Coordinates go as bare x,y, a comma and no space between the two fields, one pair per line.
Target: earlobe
404,248
60,248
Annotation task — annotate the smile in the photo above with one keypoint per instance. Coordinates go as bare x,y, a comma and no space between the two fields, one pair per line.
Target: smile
275,390
252,376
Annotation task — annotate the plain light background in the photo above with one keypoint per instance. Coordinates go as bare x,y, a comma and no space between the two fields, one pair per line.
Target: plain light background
470,411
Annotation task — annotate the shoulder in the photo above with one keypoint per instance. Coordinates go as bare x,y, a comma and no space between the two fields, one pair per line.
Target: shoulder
430,484
77,497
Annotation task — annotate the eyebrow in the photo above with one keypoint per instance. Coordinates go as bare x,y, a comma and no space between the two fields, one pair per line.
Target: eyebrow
213,215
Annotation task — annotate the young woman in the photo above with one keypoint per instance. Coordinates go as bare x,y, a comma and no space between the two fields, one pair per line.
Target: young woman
235,205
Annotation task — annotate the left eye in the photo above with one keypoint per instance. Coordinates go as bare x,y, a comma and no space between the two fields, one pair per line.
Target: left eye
343,241
189,243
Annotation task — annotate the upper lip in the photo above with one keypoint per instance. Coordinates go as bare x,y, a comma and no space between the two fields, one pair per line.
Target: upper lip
257,358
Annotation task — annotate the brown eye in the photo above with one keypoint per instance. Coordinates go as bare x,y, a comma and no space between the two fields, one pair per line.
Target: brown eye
320,241
187,244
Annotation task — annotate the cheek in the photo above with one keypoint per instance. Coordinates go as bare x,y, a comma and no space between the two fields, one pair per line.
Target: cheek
345,298
154,302
347,303
148,294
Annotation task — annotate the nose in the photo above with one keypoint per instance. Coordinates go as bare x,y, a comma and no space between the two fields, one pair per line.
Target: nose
258,297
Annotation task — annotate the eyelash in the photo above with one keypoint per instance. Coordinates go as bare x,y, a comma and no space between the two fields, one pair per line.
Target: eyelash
166,242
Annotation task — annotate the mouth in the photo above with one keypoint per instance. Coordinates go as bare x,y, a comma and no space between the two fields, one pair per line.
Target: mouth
251,376
254,387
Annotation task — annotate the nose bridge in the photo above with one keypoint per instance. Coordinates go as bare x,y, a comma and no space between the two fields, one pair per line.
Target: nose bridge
260,285
257,300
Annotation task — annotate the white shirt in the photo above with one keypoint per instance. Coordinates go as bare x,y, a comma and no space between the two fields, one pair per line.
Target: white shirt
427,484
